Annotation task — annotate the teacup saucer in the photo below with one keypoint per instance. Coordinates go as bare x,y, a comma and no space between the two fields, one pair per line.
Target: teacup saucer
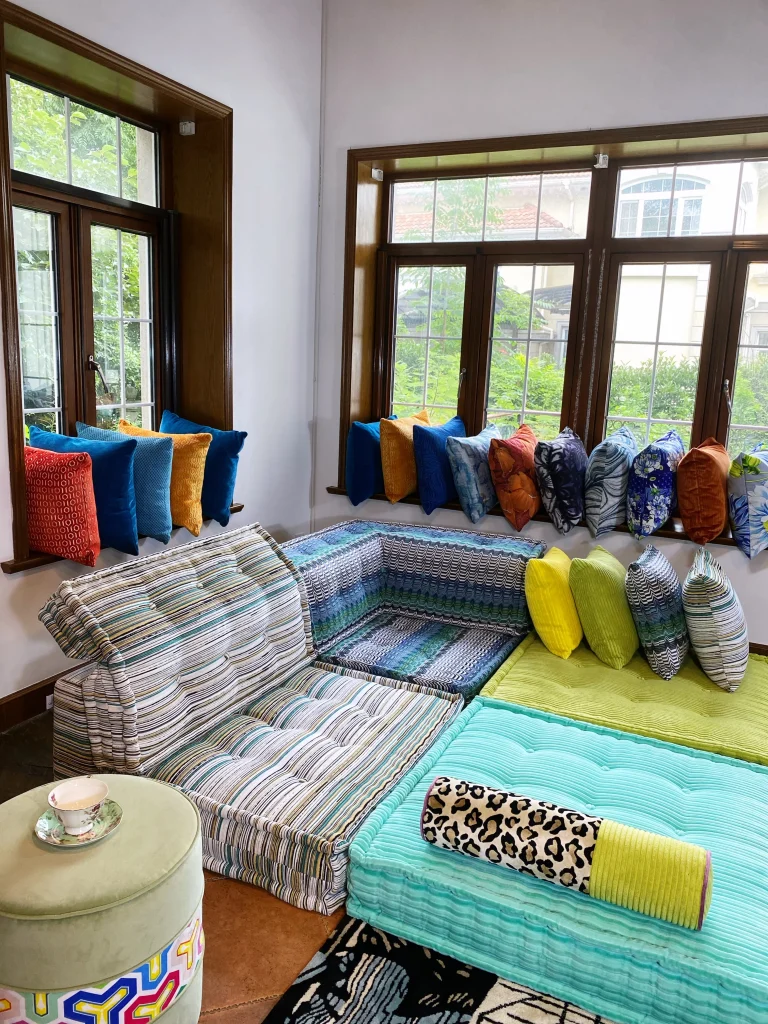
50,830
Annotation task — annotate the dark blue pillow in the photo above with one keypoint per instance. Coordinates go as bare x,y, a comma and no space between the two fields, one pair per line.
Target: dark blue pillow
151,478
433,469
220,464
363,468
112,484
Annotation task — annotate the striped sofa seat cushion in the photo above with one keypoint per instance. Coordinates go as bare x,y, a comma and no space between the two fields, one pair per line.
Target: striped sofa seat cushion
179,640
283,786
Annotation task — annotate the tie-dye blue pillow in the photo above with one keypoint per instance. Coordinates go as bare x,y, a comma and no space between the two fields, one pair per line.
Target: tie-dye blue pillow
468,457
652,485
560,469
748,500
605,485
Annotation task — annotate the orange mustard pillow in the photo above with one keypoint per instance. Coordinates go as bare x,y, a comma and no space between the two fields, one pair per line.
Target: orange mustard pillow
398,463
187,471
514,475
702,490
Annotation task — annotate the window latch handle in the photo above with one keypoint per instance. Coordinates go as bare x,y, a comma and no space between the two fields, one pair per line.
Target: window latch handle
462,376
93,367
727,396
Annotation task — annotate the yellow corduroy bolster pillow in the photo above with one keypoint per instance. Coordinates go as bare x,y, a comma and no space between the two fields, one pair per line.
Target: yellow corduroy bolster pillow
398,463
187,471
551,603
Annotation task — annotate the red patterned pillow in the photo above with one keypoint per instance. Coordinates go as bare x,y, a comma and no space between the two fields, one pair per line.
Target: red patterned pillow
61,508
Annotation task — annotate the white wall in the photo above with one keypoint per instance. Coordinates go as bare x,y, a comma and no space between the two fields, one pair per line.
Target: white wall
262,58
439,70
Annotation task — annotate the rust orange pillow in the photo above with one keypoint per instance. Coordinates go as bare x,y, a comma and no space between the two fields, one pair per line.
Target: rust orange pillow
514,475
61,507
187,472
702,490
398,462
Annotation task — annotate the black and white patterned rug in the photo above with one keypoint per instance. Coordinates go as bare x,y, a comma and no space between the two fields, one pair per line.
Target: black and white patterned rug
365,976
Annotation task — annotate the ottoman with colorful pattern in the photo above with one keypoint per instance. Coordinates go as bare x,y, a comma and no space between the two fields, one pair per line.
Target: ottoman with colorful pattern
109,933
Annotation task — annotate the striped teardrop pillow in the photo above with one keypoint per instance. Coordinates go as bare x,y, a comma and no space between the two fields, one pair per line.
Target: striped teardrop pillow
716,622
656,602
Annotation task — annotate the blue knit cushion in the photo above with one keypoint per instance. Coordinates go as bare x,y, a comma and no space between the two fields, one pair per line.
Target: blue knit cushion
605,484
560,468
652,484
436,486
364,477
220,464
468,457
151,479
656,601
112,484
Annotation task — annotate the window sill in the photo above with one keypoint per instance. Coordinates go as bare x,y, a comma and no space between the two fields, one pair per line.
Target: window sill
673,528
37,558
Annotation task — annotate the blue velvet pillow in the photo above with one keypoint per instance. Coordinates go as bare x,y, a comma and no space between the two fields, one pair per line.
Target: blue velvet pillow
220,464
112,484
151,478
433,469
561,465
364,477
468,457
652,485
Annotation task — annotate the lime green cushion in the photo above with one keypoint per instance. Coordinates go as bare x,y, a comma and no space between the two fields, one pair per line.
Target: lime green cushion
597,585
686,709
74,917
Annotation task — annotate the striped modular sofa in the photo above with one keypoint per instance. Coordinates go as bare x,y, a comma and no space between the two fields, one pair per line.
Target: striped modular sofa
201,674
442,608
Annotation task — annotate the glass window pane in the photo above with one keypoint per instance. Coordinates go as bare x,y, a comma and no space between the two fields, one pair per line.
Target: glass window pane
564,205
513,208
137,164
38,130
413,208
94,149
107,418
654,378
428,331
137,342
532,308
106,351
459,209
104,271
642,202
752,214
706,198
140,416
38,316
136,277
750,387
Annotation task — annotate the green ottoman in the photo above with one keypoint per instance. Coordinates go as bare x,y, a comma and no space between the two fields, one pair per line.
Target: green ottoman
105,934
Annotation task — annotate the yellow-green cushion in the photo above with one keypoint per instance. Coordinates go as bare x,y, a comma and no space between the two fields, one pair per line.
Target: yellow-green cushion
70,918
597,585
687,709
551,604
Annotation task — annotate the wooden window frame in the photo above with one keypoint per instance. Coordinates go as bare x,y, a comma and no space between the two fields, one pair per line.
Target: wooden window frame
192,225
368,318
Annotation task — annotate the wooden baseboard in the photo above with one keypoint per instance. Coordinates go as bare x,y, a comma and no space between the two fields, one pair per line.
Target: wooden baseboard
758,649
18,707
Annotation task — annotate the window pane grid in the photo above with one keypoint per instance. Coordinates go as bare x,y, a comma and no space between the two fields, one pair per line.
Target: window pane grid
494,208
749,389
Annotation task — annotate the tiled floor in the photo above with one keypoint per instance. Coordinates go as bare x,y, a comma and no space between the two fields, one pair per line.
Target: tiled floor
255,944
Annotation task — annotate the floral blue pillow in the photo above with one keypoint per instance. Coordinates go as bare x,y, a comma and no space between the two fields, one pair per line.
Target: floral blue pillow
748,500
652,486
468,457
605,485
560,468
433,470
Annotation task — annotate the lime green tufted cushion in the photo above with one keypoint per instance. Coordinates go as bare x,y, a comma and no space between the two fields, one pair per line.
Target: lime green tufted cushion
686,709
74,917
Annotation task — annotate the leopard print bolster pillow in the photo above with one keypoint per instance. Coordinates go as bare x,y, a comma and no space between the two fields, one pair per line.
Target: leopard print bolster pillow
645,872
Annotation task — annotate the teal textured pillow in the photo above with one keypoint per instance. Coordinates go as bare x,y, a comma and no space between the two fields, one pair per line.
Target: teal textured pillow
716,622
220,463
605,485
151,479
468,457
656,602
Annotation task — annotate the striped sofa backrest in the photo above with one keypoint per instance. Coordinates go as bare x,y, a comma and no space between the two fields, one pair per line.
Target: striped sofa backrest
343,571
181,638
458,574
